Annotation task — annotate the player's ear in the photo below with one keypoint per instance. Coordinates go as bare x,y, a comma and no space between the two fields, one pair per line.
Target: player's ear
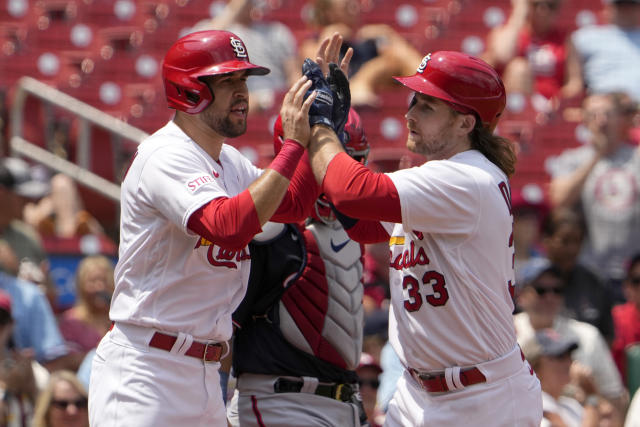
466,123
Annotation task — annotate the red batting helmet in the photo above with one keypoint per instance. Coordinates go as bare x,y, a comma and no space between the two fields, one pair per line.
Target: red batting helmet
463,80
355,141
199,54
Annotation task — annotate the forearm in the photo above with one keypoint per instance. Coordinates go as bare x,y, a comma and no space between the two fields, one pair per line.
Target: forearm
574,83
503,41
565,191
323,146
267,193
300,196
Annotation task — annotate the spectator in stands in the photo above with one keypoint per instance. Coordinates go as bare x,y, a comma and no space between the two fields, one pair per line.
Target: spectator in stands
17,380
626,317
602,178
569,395
369,371
586,298
84,325
533,52
529,212
542,302
375,332
376,277
392,370
18,185
35,325
379,51
610,53
63,403
61,213
269,43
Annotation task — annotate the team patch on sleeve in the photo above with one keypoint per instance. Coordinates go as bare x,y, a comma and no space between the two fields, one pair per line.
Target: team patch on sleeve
198,182
396,240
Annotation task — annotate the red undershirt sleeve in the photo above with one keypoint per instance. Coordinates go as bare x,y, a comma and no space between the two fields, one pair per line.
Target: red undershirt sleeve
301,194
360,193
230,223
365,231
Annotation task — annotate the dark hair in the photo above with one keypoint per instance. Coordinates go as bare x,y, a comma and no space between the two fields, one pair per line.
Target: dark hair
551,270
499,150
5,317
635,259
562,216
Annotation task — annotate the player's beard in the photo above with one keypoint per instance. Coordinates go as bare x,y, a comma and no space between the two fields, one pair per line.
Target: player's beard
224,125
430,145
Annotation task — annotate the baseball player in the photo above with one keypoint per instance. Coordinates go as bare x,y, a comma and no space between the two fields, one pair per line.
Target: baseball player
299,329
190,205
449,227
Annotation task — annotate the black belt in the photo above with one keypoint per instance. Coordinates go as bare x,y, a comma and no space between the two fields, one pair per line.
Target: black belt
341,392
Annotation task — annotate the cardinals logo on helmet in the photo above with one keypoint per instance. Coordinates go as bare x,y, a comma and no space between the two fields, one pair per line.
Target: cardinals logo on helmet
424,63
238,47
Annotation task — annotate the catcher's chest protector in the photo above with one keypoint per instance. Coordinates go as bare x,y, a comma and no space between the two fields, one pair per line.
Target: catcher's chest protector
321,313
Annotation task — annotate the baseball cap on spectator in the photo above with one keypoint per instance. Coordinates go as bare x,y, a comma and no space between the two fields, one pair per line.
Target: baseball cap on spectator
377,323
547,342
17,176
529,199
532,269
368,361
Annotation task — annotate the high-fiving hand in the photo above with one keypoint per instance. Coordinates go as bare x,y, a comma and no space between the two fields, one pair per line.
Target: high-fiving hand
295,111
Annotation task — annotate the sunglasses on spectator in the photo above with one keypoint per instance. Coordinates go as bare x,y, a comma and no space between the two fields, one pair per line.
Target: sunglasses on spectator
557,290
634,280
371,383
64,404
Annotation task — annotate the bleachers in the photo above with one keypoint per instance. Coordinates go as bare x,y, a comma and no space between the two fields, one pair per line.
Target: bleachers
108,53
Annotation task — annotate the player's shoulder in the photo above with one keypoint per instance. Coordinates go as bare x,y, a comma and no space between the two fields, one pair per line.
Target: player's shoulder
473,165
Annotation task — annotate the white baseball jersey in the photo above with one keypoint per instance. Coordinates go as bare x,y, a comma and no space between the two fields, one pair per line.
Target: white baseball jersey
166,277
452,264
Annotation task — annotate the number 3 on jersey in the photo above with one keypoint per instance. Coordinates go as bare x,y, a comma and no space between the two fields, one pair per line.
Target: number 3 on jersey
439,297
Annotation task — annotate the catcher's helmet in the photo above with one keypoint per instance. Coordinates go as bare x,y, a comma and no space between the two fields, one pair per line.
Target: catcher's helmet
354,139
199,54
462,80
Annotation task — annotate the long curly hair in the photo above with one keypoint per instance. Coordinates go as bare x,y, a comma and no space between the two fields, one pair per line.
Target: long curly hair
499,150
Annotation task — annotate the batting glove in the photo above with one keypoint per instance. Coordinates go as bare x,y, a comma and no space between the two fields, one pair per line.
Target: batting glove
321,110
339,85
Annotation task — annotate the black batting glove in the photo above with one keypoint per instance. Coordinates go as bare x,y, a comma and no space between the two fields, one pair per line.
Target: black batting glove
321,111
339,85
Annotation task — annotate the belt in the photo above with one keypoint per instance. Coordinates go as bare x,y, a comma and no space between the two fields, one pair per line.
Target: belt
341,392
207,352
437,383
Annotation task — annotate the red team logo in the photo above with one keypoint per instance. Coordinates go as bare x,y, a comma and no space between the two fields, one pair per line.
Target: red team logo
223,257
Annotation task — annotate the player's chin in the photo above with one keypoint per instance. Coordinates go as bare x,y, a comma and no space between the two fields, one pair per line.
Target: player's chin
233,130
412,144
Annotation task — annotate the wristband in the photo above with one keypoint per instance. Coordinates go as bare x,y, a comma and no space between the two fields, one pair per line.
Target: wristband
287,159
